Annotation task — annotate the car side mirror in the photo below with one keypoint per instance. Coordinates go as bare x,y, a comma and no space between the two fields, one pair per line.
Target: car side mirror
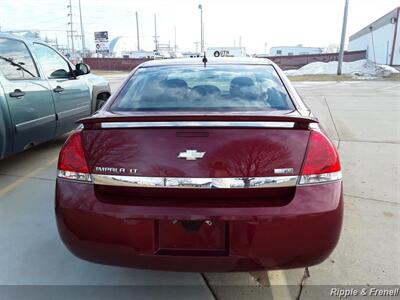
60,73
82,69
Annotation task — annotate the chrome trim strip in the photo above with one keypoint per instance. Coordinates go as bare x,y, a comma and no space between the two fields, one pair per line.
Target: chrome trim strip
183,182
253,124
35,122
72,112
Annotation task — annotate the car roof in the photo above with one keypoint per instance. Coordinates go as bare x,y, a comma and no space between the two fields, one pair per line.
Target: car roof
210,61
19,38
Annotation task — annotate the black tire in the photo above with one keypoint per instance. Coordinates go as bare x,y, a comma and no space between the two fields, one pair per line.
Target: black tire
101,99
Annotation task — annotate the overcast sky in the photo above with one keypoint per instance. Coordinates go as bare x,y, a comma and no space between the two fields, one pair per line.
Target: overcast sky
284,22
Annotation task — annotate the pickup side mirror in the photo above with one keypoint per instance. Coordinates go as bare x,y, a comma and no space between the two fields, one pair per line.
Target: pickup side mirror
82,69
60,73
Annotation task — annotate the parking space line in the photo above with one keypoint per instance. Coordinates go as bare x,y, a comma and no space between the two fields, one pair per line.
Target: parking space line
390,87
8,189
370,199
333,121
279,285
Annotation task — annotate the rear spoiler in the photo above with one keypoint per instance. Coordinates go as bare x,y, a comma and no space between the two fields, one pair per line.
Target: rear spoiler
286,121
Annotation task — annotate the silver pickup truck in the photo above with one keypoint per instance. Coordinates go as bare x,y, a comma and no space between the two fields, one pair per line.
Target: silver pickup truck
42,94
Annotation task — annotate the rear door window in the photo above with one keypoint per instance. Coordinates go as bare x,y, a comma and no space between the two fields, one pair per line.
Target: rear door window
214,88
16,61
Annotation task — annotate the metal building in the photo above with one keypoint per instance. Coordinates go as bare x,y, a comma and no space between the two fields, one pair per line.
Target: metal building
380,39
294,50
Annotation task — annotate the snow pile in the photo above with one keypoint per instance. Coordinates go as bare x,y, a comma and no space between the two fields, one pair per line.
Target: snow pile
359,68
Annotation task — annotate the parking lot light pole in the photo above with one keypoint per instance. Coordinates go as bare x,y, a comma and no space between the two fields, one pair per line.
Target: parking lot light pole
341,51
137,32
201,29
155,33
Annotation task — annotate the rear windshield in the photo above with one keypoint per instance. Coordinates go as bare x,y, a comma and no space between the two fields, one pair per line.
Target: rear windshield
195,88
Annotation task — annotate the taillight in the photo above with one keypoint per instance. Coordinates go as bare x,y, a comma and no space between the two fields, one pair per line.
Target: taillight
71,162
321,163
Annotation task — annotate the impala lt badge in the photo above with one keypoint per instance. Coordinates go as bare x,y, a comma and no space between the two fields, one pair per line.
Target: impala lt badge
191,155
116,170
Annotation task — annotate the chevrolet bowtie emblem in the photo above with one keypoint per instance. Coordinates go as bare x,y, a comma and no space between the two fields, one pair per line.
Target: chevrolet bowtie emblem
191,155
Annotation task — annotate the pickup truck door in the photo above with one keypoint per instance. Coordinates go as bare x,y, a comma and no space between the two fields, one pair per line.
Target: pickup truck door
72,97
28,96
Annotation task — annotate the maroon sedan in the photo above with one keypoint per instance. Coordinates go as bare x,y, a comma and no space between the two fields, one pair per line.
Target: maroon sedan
201,166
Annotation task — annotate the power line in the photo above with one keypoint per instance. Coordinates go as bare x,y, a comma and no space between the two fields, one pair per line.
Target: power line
47,21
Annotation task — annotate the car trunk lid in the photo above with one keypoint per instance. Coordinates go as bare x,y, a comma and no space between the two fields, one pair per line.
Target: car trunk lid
250,144
195,152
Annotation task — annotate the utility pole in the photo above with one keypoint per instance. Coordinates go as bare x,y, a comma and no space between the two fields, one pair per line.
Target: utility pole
201,29
71,29
67,38
341,51
373,43
82,31
137,31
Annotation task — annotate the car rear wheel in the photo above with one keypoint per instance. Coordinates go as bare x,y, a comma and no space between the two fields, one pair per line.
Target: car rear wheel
101,99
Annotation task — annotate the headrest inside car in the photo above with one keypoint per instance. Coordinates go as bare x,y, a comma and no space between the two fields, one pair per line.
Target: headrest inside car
175,83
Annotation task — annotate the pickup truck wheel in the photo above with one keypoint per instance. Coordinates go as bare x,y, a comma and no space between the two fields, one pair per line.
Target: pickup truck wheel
101,99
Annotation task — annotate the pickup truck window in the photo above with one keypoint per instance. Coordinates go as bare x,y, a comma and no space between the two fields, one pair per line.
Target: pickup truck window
53,65
16,61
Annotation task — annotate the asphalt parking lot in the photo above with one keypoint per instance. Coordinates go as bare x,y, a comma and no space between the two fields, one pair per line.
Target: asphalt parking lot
362,117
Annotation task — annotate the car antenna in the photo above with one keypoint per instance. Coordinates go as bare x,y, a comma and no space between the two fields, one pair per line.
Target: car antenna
205,59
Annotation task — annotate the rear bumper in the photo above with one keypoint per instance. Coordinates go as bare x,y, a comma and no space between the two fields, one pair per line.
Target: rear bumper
301,233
